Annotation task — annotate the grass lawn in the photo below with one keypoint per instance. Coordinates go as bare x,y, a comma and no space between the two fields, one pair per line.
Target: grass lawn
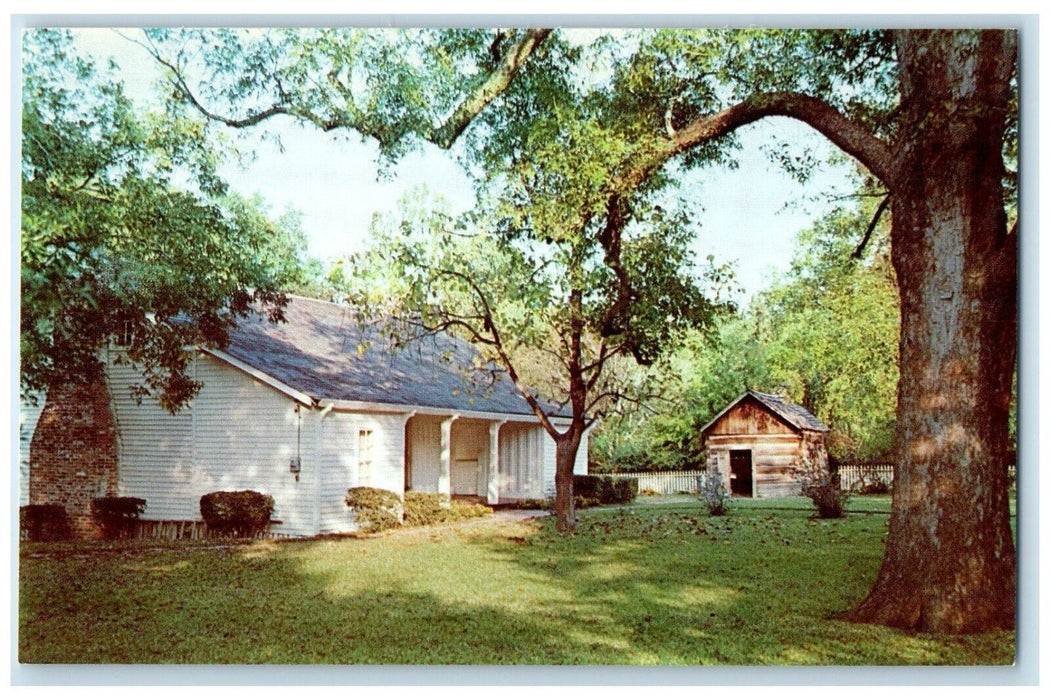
651,584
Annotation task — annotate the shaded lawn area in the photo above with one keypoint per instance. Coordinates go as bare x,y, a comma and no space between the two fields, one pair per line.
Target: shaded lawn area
644,585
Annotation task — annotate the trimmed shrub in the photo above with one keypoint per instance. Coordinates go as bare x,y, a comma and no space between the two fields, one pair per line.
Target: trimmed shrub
466,511
422,508
237,513
592,489
823,488
44,522
715,495
116,515
375,509
626,489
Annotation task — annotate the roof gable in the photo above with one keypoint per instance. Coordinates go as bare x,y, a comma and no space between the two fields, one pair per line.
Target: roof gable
795,416
325,351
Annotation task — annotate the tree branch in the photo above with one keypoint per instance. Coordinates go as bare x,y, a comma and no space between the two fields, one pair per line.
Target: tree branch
443,135
446,134
871,228
852,138
497,344
874,154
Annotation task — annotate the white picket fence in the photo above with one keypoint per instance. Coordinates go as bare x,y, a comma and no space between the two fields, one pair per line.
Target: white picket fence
850,475
667,482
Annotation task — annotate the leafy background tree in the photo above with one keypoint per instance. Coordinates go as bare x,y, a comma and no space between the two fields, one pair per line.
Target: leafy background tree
824,335
831,330
127,230
534,304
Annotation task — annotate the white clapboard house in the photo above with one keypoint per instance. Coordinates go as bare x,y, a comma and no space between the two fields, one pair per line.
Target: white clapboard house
305,409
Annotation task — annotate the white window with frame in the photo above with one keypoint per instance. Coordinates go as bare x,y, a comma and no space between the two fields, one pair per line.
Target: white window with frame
365,453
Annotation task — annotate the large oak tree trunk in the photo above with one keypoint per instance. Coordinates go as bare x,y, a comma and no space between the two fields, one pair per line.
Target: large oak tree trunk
950,559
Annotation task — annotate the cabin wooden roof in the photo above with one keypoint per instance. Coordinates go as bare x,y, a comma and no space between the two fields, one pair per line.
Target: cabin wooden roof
327,351
794,415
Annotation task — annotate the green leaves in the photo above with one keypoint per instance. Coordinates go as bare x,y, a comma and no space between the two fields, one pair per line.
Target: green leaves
126,231
831,331
826,334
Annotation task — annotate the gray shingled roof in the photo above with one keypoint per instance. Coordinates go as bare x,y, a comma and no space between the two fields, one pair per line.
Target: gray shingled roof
792,413
324,352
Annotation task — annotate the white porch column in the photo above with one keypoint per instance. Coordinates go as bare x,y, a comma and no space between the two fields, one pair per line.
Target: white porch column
445,476
405,464
493,490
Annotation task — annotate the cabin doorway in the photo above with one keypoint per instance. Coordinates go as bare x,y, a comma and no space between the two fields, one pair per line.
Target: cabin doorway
740,473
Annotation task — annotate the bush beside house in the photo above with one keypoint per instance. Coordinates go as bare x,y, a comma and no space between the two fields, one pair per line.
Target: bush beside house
44,522
423,508
594,489
115,516
237,513
375,509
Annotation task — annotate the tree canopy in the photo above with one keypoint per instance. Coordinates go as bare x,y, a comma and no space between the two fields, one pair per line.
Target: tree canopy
128,231
930,114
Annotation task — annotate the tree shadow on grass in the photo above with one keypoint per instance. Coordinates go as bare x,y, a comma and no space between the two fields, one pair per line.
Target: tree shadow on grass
630,588
755,588
259,605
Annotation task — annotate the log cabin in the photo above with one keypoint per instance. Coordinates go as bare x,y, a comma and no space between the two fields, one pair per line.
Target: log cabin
758,441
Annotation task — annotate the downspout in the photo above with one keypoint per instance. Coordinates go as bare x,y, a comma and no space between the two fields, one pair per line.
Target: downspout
318,449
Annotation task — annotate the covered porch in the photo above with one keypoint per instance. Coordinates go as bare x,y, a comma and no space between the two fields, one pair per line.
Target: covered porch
495,460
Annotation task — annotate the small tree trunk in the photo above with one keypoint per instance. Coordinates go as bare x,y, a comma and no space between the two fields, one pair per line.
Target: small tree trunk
950,559
564,500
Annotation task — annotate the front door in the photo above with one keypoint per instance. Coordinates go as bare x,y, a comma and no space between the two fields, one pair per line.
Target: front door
740,472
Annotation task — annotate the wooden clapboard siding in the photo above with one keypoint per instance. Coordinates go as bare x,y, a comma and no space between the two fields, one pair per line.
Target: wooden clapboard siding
388,437
773,458
236,434
776,463
779,489
424,452
580,465
246,434
750,418
522,471
341,466
28,415
722,440
337,463
528,459
155,450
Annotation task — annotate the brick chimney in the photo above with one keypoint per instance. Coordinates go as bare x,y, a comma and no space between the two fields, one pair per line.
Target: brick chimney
73,453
